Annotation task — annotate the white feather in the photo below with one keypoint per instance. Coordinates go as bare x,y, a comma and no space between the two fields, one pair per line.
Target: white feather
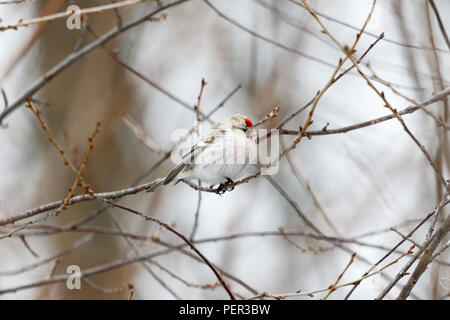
224,152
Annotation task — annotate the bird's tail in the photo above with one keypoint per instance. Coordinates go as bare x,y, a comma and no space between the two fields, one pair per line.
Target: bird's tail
168,179
174,173
159,182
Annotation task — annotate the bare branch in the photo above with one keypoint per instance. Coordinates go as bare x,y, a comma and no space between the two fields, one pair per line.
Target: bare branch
69,60
441,25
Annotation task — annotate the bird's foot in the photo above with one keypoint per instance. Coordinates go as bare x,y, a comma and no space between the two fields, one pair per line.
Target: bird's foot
224,187
227,184
221,189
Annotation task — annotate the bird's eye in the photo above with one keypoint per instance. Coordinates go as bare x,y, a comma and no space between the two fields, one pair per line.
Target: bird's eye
245,129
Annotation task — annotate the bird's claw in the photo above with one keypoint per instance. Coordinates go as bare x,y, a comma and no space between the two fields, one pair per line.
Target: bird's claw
224,187
221,189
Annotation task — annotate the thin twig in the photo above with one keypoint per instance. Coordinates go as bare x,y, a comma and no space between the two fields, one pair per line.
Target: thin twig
197,213
406,267
27,246
197,108
75,56
189,243
139,133
65,14
124,288
330,18
441,25
299,293
333,286
428,249
411,109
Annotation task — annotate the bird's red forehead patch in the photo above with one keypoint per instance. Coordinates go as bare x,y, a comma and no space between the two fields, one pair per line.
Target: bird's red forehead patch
248,123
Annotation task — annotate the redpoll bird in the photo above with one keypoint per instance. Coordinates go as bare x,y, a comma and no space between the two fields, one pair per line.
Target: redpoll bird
224,153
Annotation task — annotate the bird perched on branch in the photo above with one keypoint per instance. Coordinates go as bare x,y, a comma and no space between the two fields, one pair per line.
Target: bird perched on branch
224,153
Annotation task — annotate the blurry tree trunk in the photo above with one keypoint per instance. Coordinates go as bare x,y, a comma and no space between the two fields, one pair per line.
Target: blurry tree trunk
93,89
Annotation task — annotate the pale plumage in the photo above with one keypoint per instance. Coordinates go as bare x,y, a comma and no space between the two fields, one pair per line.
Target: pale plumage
224,153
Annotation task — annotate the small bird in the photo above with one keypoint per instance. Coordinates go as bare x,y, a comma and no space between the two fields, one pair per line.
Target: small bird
224,153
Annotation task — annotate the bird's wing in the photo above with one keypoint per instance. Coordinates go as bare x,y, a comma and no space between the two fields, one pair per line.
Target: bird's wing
189,158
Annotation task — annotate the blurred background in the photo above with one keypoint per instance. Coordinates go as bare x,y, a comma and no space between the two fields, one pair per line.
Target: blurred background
348,185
